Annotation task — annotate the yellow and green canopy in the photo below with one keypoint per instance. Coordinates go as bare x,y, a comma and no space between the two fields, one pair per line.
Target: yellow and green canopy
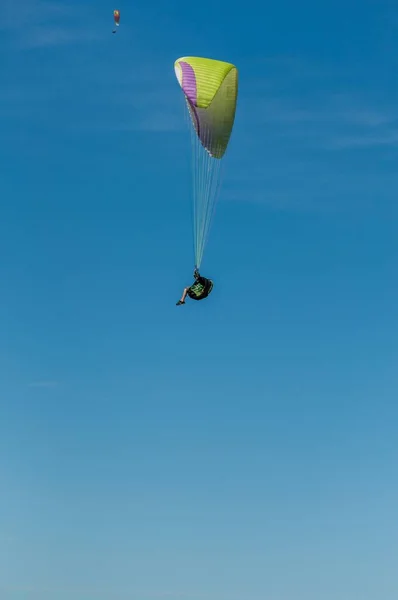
211,89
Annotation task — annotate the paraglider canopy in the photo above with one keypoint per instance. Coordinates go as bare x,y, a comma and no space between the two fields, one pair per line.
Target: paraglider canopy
210,88
116,17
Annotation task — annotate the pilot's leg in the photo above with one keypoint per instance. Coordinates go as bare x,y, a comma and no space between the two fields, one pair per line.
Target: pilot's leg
184,295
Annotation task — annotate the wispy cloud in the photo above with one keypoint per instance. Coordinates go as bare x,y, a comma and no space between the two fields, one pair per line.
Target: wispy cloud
40,23
106,102
30,12
57,36
43,384
94,592
313,102
332,115
7,538
146,98
145,114
306,146
366,140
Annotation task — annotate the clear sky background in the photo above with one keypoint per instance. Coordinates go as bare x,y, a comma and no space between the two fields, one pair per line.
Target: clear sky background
240,448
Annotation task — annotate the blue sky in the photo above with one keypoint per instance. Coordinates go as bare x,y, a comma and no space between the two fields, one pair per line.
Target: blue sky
240,447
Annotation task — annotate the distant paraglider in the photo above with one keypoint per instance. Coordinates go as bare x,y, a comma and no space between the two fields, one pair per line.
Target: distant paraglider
116,17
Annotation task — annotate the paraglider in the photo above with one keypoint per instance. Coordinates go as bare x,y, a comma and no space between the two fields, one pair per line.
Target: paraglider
116,17
210,88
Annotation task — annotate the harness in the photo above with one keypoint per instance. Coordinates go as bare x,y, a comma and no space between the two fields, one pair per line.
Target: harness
198,290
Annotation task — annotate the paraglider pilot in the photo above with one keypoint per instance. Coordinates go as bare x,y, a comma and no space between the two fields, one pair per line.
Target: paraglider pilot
200,289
